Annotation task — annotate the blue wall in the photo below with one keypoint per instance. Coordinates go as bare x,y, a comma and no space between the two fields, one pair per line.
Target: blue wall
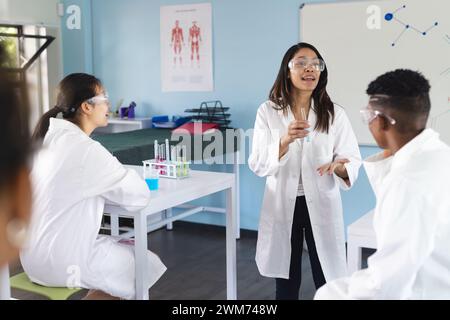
249,40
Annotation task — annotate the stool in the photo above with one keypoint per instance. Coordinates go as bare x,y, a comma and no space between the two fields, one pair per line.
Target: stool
22,282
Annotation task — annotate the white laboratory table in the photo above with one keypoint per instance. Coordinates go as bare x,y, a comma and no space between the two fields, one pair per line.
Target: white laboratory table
174,193
360,234
116,125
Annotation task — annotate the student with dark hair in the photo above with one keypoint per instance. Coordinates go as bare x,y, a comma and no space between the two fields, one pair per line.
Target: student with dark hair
73,176
15,186
304,170
412,215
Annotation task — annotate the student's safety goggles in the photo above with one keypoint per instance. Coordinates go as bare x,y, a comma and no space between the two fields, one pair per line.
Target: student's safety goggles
99,99
368,115
301,64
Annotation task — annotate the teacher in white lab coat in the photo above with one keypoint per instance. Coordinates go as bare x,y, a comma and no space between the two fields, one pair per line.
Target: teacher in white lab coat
73,176
305,146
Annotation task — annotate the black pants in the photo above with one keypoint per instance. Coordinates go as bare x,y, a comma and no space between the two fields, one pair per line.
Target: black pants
288,289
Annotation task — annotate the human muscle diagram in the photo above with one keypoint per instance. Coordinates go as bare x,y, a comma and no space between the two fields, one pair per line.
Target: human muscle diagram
186,48
176,43
194,39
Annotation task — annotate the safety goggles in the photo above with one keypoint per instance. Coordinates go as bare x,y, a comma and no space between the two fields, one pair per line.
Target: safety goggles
368,115
99,99
303,63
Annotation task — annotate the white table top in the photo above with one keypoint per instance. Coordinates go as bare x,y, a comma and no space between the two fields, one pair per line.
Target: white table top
174,192
128,120
363,226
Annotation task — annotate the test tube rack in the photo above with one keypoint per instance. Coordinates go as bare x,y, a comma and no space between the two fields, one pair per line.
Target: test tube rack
168,169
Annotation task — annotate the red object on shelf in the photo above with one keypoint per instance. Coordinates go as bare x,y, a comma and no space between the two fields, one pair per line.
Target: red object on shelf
196,127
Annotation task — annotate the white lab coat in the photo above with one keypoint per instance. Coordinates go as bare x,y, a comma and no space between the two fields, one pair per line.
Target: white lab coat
412,227
322,194
72,178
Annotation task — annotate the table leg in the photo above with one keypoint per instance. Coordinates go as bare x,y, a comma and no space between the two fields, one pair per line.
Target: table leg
114,225
354,256
140,248
5,289
237,190
168,214
231,245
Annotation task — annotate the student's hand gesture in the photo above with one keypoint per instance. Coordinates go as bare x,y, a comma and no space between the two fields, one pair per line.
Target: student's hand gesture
337,166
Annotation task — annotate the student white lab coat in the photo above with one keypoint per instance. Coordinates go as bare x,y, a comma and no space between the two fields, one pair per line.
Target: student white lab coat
412,227
322,194
72,178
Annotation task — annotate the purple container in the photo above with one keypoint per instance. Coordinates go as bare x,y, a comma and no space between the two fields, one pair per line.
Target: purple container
131,112
123,112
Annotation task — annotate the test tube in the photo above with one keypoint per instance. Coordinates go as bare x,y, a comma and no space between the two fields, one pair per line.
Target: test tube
184,161
159,156
178,161
156,150
166,168
167,151
184,154
303,113
173,154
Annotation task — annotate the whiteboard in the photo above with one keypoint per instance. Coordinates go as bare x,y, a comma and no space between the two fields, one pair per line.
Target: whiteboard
362,40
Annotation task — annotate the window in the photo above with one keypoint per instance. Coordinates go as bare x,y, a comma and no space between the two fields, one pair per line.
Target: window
27,57
11,44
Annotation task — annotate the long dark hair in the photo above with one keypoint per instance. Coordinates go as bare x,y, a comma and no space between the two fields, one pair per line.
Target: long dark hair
281,92
73,90
14,124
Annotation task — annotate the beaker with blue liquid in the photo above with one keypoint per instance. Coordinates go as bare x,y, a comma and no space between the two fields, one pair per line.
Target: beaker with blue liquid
151,177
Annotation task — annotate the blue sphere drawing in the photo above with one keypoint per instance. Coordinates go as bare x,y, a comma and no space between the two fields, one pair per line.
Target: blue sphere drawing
388,16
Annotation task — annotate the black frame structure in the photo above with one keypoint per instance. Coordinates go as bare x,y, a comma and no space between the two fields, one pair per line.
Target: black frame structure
21,36
212,114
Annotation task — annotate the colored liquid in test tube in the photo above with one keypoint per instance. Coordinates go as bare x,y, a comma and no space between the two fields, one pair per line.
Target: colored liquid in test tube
163,159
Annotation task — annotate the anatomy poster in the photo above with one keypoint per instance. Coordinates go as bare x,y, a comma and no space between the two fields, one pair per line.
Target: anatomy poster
186,48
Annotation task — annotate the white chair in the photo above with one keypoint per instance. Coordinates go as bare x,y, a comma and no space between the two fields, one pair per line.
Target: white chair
360,234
